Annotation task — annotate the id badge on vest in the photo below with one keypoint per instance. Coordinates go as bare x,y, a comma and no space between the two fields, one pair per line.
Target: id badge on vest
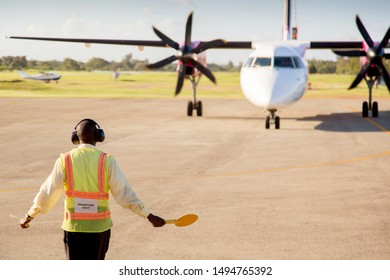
83,205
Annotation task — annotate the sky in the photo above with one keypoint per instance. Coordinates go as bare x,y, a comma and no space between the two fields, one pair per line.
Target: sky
244,20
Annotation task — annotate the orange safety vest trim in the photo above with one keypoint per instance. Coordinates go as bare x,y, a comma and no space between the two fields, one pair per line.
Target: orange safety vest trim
71,192
101,173
88,216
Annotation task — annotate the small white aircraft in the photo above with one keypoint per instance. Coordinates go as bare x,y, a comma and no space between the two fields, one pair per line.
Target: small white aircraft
46,77
274,75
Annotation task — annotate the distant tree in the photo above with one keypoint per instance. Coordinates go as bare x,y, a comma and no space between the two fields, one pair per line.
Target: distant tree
348,65
322,66
14,62
70,65
32,64
97,64
49,65
312,68
127,62
140,65
7,60
115,66
215,67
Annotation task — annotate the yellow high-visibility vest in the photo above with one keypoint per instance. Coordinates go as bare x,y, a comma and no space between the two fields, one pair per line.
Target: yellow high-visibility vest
87,191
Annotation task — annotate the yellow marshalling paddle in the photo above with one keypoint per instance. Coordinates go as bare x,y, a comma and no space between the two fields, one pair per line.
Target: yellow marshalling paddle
183,221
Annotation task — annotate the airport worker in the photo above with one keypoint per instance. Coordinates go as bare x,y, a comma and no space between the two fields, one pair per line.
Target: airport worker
87,175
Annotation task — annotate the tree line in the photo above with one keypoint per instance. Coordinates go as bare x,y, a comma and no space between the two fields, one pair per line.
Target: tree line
9,63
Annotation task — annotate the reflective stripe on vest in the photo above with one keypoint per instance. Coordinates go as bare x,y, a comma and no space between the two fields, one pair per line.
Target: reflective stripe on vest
100,195
88,216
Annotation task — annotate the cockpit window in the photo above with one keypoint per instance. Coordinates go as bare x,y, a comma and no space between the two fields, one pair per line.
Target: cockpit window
298,62
248,62
283,62
262,61
279,62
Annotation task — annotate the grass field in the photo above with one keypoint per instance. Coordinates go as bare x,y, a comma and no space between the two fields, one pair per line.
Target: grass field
161,85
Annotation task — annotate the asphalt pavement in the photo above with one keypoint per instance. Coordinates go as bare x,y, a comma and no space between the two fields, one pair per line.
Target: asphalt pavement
318,188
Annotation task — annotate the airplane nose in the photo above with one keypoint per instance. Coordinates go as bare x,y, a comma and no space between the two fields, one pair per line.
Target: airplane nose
272,88
258,85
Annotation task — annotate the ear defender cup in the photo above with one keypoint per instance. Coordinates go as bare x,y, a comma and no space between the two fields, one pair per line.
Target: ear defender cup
75,139
99,133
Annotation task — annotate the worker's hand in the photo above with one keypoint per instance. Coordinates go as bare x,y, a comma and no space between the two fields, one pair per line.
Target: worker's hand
156,220
25,223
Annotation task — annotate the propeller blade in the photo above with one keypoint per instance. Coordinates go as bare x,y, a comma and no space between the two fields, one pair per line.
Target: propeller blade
162,62
349,53
166,39
180,79
360,76
208,45
386,38
385,74
203,70
364,32
187,41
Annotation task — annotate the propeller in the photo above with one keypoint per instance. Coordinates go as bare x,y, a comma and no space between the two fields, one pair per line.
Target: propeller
186,54
374,54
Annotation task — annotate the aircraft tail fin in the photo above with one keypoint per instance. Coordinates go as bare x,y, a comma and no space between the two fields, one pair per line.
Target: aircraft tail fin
22,74
287,20
289,32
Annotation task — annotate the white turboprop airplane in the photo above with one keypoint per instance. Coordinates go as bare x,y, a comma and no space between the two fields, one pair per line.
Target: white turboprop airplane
46,77
275,74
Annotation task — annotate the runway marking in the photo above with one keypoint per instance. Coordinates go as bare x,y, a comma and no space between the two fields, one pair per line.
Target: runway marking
303,166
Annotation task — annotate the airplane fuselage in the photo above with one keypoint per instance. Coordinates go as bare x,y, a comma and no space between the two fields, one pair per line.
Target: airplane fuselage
274,76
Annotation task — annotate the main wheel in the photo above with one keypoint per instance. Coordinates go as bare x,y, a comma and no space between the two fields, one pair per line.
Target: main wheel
199,109
267,120
365,109
190,108
375,111
277,123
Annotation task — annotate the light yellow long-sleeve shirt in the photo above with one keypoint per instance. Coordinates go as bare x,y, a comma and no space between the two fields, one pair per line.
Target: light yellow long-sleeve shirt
53,187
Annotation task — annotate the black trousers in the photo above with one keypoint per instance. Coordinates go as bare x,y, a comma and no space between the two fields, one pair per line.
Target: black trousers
86,246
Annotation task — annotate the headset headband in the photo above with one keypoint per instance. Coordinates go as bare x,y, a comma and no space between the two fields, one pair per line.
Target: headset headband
90,120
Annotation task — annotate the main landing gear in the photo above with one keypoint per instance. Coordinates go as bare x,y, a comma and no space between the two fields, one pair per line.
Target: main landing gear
272,119
370,106
194,105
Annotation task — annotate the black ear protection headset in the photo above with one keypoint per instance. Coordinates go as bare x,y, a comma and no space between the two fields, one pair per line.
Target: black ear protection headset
99,133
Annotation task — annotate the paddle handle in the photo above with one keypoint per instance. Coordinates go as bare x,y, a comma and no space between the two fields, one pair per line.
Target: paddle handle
170,221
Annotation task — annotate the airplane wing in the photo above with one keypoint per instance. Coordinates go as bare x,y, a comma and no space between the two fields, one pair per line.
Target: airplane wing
146,43
336,45
149,43
156,43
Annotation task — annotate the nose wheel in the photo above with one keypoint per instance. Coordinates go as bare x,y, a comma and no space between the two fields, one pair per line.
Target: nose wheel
195,106
272,119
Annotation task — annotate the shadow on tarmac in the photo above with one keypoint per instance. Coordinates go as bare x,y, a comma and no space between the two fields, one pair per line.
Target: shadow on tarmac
351,122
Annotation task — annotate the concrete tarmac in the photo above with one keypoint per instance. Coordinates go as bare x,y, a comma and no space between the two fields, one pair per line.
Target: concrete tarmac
318,188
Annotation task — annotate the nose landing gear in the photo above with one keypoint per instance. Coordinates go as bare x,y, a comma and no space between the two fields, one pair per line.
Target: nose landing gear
272,119
196,105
